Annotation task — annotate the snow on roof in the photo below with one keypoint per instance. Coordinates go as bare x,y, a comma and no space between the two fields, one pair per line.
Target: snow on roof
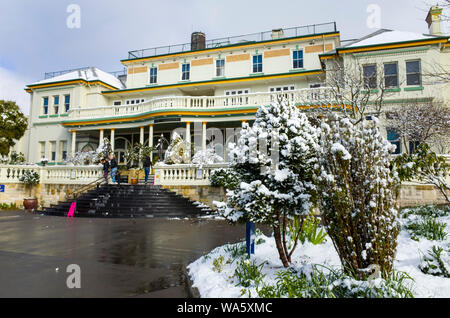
385,36
88,74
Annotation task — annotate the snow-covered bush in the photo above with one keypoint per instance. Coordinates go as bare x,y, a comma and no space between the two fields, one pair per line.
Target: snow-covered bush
178,151
358,193
426,167
208,156
30,178
81,158
274,161
223,177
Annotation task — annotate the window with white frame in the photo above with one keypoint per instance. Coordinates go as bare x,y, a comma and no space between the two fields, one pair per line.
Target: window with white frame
185,71
134,101
370,76
52,150
297,58
220,68
66,102
282,91
413,73
55,104
117,103
42,149
153,75
391,74
234,97
257,63
45,105
63,149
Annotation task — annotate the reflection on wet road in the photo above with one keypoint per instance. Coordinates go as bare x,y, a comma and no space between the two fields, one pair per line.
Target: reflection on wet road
117,257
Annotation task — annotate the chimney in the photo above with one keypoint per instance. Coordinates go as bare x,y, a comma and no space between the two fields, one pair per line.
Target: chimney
434,20
198,41
277,34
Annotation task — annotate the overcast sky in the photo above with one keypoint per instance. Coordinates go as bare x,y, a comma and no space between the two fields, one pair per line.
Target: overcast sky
34,37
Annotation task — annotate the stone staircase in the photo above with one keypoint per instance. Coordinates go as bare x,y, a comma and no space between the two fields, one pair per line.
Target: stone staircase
130,201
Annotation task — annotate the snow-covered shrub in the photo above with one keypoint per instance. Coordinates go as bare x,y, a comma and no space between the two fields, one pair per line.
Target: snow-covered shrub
426,167
223,177
426,227
323,282
274,161
358,194
177,151
426,211
436,262
93,157
30,177
248,273
208,156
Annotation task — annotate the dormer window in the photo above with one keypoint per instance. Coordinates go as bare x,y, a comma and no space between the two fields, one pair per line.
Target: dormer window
297,57
153,75
257,63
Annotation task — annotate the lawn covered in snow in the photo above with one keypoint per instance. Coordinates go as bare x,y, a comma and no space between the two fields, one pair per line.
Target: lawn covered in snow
215,273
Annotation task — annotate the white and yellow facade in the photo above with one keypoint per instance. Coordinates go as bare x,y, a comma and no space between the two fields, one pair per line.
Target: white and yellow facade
218,86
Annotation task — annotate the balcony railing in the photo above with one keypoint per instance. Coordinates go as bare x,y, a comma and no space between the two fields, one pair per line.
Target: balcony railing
254,37
307,96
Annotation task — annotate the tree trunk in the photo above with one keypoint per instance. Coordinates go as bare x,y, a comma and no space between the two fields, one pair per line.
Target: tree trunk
277,236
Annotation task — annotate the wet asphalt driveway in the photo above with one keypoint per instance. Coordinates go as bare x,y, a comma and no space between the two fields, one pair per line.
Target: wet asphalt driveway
117,257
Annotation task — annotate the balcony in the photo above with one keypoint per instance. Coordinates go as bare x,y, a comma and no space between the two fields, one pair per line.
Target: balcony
305,97
312,29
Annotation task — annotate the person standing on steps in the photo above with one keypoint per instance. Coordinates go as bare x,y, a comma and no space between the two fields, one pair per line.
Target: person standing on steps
105,163
147,166
114,167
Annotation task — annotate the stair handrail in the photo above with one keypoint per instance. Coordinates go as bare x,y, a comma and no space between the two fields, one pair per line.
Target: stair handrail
87,187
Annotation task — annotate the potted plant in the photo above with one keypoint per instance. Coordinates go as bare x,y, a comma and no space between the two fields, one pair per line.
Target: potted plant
134,155
30,178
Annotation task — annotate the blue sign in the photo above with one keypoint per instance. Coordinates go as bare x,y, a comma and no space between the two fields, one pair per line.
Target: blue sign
2,188
250,238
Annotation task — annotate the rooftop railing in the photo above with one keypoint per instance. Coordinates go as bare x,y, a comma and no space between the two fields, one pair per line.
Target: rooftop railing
253,37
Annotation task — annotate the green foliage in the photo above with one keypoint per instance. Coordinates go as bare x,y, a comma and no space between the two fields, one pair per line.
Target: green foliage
425,166
224,178
13,125
29,177
331,283
427,211
358,193
136,154
428,228
8,206
248,273
312,232
433,264
218,264
236,250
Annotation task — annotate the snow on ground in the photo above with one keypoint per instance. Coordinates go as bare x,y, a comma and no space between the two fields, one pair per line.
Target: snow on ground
212,283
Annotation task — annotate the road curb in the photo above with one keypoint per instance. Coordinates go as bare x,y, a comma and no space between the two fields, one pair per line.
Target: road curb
191,291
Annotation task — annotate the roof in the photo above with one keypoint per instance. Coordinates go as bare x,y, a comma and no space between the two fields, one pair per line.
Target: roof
89,74
386,36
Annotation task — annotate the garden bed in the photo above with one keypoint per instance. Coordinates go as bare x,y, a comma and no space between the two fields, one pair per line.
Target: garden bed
316,270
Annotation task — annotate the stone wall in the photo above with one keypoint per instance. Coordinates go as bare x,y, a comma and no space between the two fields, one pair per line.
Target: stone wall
45,193
411,194
203,194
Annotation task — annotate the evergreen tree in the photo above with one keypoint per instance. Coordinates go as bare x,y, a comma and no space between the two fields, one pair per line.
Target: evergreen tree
274,161
13,125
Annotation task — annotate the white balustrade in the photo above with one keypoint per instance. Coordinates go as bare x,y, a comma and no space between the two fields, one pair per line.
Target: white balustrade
52,174
307,96
185,174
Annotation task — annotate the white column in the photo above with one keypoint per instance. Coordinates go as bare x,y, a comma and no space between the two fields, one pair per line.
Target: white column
204,135
112,138
74,140
102,136
188,138
150,135
141,141
141,135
